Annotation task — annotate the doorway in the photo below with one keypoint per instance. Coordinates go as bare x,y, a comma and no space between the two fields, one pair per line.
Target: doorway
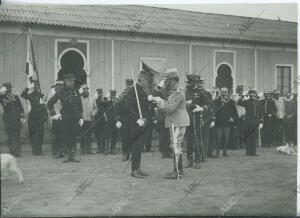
224,76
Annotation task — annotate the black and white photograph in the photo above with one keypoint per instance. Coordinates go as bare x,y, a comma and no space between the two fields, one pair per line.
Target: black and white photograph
156,109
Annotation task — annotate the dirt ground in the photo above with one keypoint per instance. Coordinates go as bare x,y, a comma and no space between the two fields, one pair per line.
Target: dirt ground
236,185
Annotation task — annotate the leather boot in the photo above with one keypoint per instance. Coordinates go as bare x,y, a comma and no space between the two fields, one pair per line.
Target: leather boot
189,163
180,167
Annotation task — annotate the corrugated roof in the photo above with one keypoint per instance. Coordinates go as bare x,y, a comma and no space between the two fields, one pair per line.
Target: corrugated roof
152,20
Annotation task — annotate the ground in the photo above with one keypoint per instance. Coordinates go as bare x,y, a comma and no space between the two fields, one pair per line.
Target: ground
234,185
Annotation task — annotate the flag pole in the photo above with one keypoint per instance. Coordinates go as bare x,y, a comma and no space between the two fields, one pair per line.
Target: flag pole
136,94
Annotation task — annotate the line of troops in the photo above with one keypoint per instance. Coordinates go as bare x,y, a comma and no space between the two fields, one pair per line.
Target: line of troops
207,120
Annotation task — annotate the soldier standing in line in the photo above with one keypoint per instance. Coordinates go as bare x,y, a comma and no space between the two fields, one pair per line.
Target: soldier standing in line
199,108
269,113
124,121
137,121
99,120
253,120
13,117
86,129
71,113
57,130
177,118
112,130
36,118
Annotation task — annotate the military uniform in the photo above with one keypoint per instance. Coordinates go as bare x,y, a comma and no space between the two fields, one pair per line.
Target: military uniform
111,131
13,112
129,107
124,119
253,118
100,121
71,113
198,131
36,118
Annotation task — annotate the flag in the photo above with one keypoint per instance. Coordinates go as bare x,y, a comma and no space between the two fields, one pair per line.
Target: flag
31,70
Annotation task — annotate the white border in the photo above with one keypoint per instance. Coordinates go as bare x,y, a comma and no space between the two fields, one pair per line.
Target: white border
292,75
233,68
86,59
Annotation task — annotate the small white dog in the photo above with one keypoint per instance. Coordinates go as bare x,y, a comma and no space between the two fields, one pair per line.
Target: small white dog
9,162
286,149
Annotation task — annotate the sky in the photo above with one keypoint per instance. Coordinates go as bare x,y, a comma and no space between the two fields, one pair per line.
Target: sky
282,11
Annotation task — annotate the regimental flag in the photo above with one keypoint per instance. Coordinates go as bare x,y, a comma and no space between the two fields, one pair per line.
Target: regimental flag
31,70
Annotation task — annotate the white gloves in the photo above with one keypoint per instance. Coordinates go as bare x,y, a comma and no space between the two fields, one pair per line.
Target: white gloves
150,97
157,99
141,122
260,126
118,124
56,117
52,92
80,91
3,90
189,102
154,121
231,119
81,122
212,124
22,120
198,109
160,84
269,115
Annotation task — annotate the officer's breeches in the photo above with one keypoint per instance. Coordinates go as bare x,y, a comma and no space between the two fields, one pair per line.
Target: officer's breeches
70,130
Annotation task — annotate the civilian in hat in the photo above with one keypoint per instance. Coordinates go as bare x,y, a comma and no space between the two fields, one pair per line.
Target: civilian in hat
290,121
278,119
99,119
269,114
177,118
13,117
37,117
253,121
57,130
71,114
137,122
87,128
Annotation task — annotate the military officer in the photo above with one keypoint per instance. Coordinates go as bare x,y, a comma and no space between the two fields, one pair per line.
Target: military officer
137,121
199,108
177,118
36,118
71,114
13,117
57,130
124,119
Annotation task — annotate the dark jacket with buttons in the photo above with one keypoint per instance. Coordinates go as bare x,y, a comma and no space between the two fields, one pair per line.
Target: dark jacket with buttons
224,111
253,111
70,101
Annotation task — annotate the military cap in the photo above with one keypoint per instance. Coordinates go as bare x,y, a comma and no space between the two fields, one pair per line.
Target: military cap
146,74
191,77
276,92
171,73
251,91
100,91
113,92
240,87
129,82
69,76
266,92
7,85
59,82
84,86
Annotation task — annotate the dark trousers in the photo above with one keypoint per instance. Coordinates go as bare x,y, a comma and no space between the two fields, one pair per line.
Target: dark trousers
13,135
277,131
289,129
70,132
222,134
267,132
36,134
164,138
112,137
125,132
57,137
99,135
148,137
240,125
212,143
86,131
251,137
137,135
